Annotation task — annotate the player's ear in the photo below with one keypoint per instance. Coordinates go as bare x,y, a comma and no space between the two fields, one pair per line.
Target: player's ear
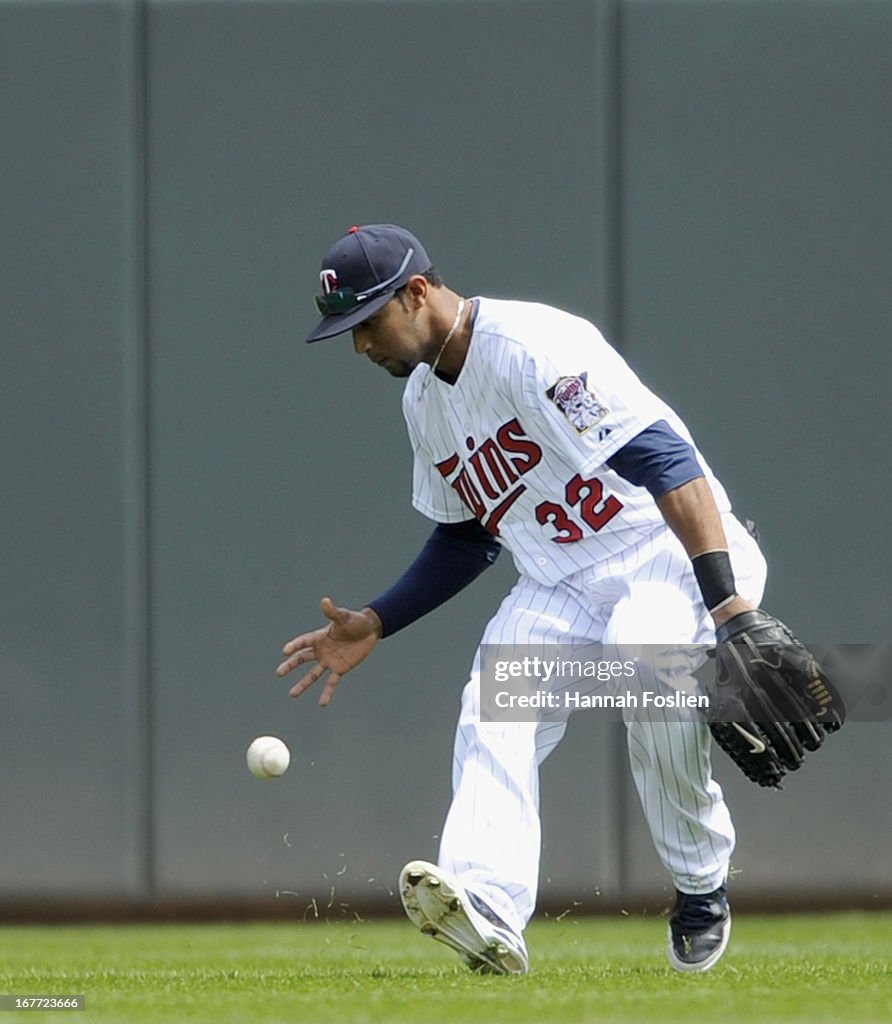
416,290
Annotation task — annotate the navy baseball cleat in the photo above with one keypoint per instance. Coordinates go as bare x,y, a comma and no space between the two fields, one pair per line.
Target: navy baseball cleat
441,907
699,928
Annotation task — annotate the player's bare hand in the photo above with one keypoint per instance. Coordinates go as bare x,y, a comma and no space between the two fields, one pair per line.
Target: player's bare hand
336,648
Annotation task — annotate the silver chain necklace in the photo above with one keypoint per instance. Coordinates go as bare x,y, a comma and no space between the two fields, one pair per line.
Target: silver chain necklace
446,340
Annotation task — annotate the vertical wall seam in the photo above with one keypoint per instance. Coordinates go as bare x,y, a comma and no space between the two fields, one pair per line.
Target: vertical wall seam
612,114
615,168
139,448
149,703
617,288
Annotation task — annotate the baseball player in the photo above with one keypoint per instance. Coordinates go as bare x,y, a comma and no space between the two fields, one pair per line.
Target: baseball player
531,433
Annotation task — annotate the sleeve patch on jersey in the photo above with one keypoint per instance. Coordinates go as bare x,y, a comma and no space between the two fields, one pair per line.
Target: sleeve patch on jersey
572,396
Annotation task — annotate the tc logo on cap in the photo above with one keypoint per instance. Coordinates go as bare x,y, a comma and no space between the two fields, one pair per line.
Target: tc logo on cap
329,280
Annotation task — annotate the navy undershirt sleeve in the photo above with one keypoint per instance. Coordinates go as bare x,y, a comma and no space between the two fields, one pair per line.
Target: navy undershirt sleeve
657,459
453,556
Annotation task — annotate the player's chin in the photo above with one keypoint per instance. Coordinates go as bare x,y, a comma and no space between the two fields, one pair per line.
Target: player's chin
396,369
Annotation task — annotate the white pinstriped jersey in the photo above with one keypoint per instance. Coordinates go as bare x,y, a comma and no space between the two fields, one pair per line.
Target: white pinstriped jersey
522,438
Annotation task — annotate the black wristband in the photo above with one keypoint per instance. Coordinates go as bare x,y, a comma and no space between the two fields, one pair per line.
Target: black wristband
715,577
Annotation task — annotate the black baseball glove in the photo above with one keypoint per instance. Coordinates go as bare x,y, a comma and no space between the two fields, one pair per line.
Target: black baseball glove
771,701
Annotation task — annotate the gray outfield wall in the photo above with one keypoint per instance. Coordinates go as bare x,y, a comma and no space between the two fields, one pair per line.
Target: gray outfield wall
183,478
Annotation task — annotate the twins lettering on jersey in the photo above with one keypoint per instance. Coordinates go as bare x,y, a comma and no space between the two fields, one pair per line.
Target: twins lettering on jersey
489,482
492,473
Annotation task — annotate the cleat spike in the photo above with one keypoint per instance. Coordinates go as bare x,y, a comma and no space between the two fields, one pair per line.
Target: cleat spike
440,907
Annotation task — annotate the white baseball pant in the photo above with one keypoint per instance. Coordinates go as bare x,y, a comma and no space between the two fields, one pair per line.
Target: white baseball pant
491,839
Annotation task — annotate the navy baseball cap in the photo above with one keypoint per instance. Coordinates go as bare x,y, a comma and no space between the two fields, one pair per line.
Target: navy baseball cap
360,274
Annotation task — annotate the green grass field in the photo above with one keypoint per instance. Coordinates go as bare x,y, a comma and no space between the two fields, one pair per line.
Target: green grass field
784,969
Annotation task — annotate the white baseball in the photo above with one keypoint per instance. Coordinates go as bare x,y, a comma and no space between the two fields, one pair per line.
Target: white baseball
267,757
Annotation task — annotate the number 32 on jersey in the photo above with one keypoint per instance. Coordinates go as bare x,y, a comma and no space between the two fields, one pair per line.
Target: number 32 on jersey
587,496
494,472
